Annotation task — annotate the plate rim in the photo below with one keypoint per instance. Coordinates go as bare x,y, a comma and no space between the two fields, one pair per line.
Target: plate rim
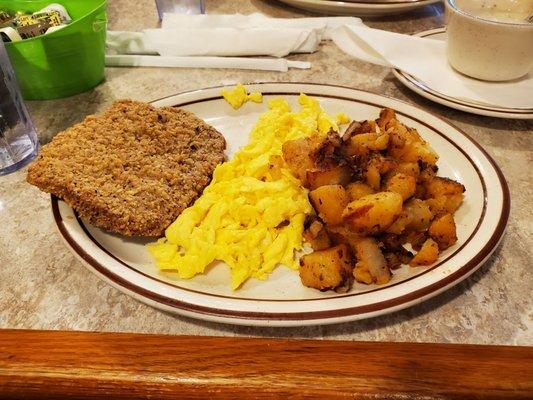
423,90
311,317
355,6
347,3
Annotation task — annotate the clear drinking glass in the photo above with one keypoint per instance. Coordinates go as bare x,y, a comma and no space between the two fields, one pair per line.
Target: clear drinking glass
18,138
180,6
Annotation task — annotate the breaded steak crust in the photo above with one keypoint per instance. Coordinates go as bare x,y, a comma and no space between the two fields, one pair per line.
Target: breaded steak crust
133,169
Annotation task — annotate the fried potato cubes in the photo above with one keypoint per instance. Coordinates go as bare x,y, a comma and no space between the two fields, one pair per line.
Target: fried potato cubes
374,190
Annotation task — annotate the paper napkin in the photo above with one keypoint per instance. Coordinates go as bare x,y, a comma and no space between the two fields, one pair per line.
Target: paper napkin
277,42
228,35
215,42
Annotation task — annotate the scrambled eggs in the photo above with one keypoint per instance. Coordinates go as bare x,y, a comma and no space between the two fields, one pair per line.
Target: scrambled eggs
239,95
252,214
342,118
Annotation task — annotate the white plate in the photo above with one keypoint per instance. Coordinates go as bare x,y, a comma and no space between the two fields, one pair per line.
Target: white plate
282,300
459,104
359,8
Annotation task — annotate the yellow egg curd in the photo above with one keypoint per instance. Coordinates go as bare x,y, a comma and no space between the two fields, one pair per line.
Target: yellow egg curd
252,214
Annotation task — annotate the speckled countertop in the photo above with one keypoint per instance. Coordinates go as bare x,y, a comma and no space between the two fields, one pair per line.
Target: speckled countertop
42,285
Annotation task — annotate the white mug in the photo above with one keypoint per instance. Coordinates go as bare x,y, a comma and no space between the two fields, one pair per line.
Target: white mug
490,39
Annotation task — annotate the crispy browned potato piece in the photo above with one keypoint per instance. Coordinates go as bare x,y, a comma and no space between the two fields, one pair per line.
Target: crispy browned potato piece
298,156
316,235
327,269
419,213
420,192
356,190
386,115
396,142
402,184
415,216
397,258
354,128
418,151
372,176
408,168
448,194
400,223
371,265
334,175
443,231
427,173
372,140
376,167
363,275
373,213
437,206
439,186
358,127
427,255
341,234
328,153
355,147
329,202
407,145
415,239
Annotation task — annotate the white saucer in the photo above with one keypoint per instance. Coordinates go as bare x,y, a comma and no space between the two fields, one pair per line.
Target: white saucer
458,103
359,7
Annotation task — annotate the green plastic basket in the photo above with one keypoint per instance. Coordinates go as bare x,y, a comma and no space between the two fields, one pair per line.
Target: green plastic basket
62,63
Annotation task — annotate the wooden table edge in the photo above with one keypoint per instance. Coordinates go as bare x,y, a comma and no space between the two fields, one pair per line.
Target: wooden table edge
57,364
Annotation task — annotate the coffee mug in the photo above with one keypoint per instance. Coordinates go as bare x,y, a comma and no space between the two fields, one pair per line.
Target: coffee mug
490,39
